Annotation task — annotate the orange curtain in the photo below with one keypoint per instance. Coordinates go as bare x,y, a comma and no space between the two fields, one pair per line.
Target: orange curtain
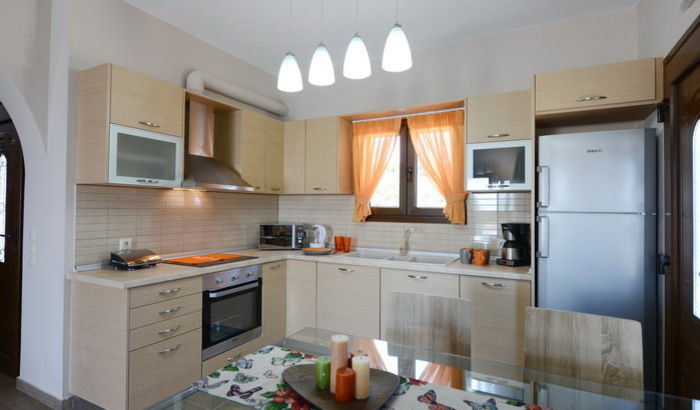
439,143
373,143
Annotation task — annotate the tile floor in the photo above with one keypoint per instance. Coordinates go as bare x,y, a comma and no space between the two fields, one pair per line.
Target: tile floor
11,398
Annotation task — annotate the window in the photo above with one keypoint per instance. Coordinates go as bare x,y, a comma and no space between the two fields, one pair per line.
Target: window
405,193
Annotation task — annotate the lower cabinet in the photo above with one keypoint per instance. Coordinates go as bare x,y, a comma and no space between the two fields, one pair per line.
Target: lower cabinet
498,317
393,280
301,295
348,299
274,302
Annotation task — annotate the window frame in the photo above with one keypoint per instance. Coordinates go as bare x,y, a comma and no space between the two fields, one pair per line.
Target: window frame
408,210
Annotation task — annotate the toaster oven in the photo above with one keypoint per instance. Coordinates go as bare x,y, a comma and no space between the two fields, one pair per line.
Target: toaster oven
281,237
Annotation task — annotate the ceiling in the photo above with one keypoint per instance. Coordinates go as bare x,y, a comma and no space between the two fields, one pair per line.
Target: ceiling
257,31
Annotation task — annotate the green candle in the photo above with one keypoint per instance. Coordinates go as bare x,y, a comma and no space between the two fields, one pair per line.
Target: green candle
323,372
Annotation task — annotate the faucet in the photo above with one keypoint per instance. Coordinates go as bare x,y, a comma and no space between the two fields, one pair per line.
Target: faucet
406,237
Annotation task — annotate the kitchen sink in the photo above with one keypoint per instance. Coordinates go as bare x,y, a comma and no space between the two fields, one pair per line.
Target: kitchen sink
424,258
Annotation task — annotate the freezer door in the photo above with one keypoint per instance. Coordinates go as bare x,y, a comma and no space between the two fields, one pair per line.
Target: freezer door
595,263
594,172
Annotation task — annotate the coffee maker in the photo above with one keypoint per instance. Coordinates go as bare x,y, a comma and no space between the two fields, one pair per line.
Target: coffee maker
516,249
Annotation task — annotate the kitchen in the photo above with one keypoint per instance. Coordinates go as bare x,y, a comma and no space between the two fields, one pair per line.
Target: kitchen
303,172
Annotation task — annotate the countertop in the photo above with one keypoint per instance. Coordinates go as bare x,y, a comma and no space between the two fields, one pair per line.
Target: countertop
165,272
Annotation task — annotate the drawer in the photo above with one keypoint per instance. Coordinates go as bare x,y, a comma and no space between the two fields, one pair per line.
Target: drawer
164,330
334,268
156,371
440,284
146,295
168,309
498,317
620,83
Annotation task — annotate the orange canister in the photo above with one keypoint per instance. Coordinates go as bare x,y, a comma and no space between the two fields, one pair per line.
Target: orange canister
481,257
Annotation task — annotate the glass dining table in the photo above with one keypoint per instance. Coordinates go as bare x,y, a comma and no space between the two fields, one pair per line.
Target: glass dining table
429,380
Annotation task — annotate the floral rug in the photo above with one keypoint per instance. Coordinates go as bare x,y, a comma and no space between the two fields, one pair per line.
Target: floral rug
255,380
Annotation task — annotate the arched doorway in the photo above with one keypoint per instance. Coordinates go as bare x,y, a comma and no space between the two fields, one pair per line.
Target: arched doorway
11,218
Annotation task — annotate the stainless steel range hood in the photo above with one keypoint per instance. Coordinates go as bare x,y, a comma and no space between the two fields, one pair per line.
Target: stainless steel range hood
201,169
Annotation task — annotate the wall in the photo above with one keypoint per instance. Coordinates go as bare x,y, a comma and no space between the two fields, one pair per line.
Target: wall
166,221
485,211
485,65
661,25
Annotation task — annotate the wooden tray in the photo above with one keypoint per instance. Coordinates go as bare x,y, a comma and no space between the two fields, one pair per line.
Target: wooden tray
302,379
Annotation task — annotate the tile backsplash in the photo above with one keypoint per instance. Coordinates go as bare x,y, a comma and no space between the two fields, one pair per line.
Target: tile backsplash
485,211
166,221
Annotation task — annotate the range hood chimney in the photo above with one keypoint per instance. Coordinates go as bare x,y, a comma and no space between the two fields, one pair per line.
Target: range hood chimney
201,169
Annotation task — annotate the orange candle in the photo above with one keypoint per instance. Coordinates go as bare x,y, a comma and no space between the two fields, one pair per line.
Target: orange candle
344,385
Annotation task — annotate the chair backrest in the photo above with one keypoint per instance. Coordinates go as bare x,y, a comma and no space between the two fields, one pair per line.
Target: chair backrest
601,349
430,322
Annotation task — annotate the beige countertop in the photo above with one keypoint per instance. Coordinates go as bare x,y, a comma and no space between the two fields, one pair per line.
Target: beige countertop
165,272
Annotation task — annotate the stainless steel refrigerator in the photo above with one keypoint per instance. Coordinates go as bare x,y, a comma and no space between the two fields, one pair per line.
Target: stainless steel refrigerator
596,227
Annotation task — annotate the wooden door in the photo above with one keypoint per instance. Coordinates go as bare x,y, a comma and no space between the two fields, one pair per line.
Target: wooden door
11,205
682,217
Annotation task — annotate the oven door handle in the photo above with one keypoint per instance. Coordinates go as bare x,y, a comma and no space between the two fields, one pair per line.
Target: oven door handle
213,295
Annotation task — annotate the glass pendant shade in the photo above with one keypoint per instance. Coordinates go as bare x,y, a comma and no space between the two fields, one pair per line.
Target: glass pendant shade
397,52
289,78
356,65
321,68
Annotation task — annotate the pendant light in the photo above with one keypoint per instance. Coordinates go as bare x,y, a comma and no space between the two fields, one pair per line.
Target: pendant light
357,65
321,71
397,52
289,77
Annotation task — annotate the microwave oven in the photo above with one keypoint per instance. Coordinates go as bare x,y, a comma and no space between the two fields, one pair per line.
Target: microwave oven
281,237
499,166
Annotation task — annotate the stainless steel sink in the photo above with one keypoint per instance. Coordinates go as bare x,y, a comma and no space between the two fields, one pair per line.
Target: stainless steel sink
428,259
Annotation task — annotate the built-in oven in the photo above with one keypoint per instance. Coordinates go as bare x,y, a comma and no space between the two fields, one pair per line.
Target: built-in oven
281,236
231,309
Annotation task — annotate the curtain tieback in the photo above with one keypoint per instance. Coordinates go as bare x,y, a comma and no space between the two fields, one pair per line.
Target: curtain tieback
362,201
455,198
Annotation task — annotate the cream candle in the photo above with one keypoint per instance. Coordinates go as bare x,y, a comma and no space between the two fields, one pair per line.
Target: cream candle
360,364
339,356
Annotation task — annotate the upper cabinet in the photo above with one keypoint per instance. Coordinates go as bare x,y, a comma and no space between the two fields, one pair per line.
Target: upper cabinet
626,84
129,128
500,117
325,164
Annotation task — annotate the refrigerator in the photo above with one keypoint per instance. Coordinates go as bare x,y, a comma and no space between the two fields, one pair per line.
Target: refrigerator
596,228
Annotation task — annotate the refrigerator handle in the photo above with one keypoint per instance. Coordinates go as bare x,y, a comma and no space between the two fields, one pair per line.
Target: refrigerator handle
543,173
543,242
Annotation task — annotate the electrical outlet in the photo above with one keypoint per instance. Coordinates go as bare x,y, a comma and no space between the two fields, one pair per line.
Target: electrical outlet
124,244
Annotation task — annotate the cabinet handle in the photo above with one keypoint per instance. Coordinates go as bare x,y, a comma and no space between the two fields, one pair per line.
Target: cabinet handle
275,267
170,311
586,98
147,181
320,189
346,270
499,185
417,277
498,135
494,285
150,124
169,291
171,330
257,188
169,350
275,189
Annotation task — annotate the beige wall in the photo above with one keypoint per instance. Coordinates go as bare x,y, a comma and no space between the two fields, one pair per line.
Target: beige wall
661,24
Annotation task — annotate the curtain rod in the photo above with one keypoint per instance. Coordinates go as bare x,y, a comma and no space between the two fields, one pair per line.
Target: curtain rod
410,115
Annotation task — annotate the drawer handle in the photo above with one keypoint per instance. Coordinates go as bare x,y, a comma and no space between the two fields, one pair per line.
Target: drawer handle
586,98
494,285
275,267
498,136
170,311
171,330
257,188
275,189
147,181
169,350
346,270
417,277
320,189
169,291
150,124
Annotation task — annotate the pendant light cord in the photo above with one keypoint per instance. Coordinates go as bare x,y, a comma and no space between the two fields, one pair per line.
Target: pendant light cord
396,11
357,16
323,17
291,25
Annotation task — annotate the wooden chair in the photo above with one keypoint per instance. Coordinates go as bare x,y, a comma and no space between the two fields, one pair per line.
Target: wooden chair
596,348
430,322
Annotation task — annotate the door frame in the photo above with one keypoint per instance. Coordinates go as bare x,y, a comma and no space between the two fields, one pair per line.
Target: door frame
684,56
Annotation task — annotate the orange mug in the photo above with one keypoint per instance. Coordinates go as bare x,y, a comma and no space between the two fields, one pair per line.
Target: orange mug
346,240
481,257
338,241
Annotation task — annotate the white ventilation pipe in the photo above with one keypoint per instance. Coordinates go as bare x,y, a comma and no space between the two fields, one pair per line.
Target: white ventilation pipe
199,80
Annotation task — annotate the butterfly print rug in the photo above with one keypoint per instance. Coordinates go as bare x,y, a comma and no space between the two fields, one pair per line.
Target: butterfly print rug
255,380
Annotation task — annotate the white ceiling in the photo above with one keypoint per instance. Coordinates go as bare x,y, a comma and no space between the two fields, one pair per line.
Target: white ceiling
257,31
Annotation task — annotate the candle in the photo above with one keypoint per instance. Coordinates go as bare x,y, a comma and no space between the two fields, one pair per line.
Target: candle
344,384
339,356
360,365
323,372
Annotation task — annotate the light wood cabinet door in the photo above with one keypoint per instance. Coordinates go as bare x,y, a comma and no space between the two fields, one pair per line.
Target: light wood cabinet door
294,157
164,330
253,147
143,102
301,295
348,299
500,117
274,314
158,292
629,82
498,309
393,280
274,162
322,155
